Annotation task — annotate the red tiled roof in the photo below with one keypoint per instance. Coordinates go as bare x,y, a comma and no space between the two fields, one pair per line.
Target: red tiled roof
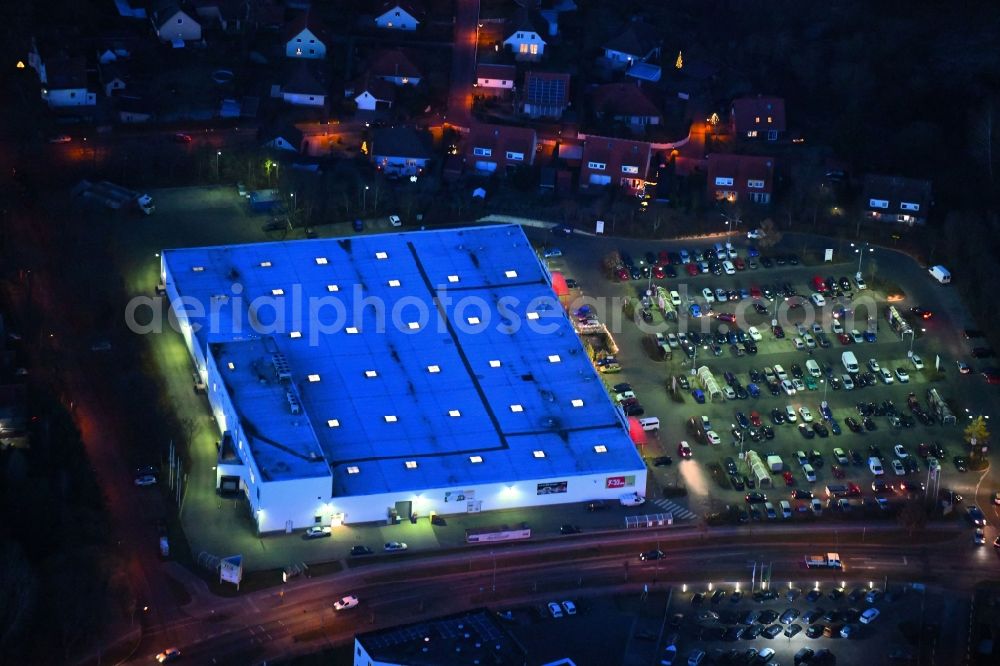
623,99
393,63
615,154
497,72
741,168
752,113
501,139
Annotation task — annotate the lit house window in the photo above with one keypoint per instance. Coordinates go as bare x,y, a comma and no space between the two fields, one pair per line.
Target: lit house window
554,358
538,454
454,413
600,448
515,157
576,402
351,330
313,378
510,274
878,203
413,325
381,255
295,335
494,364
321,261
532,315
475,460
198,269
723,181
597,166
394,283
332,423
452,278
482,152
411,464
371,374
516,408
909,206
353,469
265,264
389,418
755,184
630,169
277,292
473,320
332,287
433,369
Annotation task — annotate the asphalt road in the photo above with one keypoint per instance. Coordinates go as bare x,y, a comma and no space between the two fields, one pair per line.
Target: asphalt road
270,624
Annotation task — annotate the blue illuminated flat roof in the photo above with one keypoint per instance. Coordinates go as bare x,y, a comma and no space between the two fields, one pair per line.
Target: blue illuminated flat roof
474,375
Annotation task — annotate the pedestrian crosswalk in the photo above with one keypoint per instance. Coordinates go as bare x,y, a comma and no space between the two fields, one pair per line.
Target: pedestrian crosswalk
679,512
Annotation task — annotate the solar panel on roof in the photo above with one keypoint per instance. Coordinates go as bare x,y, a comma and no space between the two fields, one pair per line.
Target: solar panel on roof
546,91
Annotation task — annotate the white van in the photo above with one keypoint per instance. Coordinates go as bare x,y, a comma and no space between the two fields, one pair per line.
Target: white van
650,423
813,368
850,361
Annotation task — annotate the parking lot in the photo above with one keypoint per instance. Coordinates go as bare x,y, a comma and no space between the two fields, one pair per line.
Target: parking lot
804,621
820,394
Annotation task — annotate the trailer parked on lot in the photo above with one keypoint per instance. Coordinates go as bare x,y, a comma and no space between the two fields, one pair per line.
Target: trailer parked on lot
114,196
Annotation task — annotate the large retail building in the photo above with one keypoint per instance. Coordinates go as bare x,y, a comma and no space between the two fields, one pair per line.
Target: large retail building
375,377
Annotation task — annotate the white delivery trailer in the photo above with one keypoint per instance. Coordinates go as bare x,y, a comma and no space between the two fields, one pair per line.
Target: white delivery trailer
940,273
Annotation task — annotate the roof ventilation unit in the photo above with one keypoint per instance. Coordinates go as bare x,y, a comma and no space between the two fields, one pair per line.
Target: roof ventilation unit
281,369
293,402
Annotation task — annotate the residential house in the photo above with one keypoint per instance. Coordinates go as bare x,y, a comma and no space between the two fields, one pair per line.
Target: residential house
735,178
395,15
545,94
133,109
758,117
67,83
174,25
373,94
619,163
114,77
896,199
284,137
524,34
229,14
395,67
14,421
112,52
494,80
305,37
499,148
401,151
625,103
303,87
549,10
636,42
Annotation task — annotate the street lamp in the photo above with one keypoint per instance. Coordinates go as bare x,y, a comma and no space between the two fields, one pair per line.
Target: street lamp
861,254
364,199
218,154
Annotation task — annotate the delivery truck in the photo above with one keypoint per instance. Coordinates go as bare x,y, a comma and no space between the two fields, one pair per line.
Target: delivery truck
828,561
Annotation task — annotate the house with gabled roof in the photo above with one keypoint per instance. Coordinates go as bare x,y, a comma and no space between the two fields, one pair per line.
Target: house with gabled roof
401,151
114,77
625,103
544,94
399,15
524,34
66,83
305,37
229,14
494,80
618,163
635,42
303,86
758,117
174,25
491,149
284,136
735,178
896,199
394,66
373,94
